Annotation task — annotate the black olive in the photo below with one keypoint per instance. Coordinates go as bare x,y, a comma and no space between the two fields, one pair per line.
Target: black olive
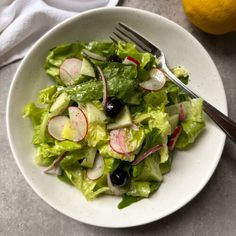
114,58
119,177
113,106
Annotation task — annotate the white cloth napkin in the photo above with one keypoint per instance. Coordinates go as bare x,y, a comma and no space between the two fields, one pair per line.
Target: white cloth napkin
22,22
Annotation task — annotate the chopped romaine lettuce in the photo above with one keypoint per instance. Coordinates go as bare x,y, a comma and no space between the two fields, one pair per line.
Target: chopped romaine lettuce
150,121
121,83
45,96
129,49
193,124
46,153
97,135
79,179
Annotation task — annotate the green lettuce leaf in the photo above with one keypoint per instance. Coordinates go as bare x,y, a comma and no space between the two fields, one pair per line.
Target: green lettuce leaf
128,200
154,119
139,189
72,157
97,135
39,117
45,96
46,153
34,113
181,73
193,125
102,48
148,170
174,93
156,99
135,138
129,49
79,179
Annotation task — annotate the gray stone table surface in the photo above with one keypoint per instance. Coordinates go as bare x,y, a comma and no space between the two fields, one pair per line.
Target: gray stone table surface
212,212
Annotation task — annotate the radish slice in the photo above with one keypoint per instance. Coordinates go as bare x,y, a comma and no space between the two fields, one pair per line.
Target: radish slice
69,70
119,140
181,112
174,137
114,189
156,82
130,60
147,153
54,168
79,123
56,125
105,87
97,170
93,55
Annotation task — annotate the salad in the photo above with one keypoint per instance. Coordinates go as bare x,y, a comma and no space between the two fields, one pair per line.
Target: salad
112,120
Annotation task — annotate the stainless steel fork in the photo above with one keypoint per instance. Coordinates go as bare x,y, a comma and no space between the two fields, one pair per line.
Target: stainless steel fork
124,32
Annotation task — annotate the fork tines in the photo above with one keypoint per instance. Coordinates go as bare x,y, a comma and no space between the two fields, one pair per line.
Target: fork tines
125,33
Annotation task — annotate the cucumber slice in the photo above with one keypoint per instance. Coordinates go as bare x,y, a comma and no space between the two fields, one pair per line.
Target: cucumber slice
60,104
87,68
94,115
122,120
174,109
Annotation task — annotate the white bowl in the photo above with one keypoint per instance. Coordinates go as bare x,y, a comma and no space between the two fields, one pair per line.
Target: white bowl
191,169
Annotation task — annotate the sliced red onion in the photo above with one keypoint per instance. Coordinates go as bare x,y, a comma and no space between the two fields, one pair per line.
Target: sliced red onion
93,55
182,115
130,60
54,168
105,87
116,190
174,137
147,153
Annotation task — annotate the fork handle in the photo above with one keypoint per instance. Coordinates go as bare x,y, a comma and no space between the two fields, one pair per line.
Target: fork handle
224,122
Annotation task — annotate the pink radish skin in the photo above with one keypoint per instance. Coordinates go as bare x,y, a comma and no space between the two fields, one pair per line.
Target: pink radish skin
56,125
174,137
97,170
119,142
79,121
105,87
156,82
70,70
130,60
114,189
147,153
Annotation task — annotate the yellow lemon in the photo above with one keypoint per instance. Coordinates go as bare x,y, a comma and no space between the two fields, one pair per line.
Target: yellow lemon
212,16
